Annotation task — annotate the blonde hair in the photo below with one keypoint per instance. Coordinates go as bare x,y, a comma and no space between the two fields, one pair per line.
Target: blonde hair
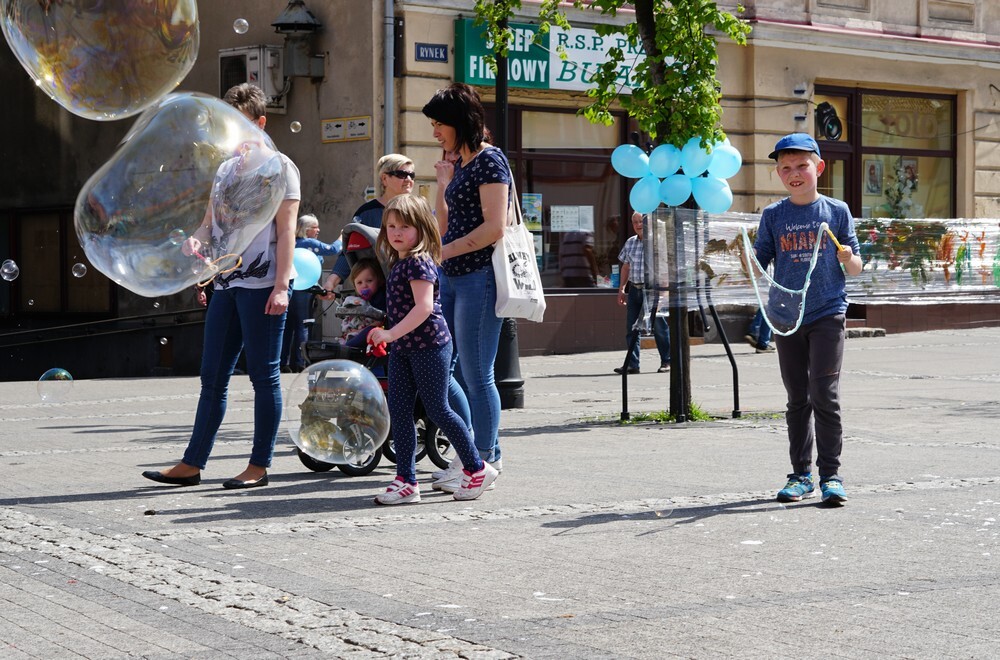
306,222
390,163
413,211
367,264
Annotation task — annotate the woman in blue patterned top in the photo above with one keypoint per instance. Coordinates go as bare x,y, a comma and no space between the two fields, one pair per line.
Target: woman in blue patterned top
472,200
420,359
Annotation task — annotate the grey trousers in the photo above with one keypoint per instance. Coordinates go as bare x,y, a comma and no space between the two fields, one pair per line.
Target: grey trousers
810,362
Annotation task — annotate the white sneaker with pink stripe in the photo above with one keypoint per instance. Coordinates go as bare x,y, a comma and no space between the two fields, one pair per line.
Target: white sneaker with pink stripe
399,492
474,483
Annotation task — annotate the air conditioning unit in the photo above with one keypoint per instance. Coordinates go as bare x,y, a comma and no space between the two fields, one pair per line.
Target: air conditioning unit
258,65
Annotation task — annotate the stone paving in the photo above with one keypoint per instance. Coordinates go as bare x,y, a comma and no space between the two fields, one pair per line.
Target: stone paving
601,540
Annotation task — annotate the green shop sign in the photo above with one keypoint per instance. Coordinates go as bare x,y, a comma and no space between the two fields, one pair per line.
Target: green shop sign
539,65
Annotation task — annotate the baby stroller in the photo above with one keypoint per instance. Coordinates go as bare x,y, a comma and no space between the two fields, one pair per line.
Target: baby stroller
359,243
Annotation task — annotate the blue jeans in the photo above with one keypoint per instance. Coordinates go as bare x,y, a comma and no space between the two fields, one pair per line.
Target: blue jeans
425,372
468,302
296,331
760,330
633,312
236,321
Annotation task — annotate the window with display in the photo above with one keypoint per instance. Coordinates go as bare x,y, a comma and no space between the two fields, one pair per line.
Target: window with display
888,154
572,199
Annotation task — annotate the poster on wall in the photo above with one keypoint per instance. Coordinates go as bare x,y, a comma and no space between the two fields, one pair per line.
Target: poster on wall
571,218
538,250
531,210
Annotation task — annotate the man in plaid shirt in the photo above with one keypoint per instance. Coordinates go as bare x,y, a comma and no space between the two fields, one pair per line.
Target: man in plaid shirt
630,294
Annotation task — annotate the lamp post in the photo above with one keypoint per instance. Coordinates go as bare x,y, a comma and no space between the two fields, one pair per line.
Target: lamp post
507,365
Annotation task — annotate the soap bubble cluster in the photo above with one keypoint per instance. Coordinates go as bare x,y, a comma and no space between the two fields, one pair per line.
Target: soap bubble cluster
135,215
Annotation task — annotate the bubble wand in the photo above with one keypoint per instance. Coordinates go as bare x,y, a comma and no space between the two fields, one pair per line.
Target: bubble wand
832,237
754,264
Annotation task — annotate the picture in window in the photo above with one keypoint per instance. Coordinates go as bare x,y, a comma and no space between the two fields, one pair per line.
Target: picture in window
873,177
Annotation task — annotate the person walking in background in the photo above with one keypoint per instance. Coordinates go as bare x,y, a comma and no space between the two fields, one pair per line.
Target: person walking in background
420,355
759,334
577,262
247,314
472,202
631,294
396,175
810,359
300,305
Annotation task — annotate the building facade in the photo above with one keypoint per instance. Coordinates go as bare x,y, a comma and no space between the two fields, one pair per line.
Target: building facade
907,90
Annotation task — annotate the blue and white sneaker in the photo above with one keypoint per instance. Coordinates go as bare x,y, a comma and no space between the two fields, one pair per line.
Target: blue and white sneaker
833,492
799,486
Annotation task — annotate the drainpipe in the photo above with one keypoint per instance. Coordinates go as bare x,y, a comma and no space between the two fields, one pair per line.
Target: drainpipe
389,103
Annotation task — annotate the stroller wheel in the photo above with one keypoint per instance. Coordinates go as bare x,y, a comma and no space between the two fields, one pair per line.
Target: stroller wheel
389,450
313,464
367,463
436,443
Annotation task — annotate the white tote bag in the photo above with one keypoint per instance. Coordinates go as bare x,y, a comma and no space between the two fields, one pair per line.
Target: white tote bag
519,284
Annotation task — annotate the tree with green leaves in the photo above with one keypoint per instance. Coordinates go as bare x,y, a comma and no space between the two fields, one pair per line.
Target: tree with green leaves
675,95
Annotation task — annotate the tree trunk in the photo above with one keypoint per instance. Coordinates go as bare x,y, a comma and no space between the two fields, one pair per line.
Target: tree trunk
680,351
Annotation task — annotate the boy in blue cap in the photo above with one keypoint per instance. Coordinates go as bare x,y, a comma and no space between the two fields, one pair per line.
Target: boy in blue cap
811,357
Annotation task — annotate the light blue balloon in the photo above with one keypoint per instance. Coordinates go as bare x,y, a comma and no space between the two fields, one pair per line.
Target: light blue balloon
645,195
726,161
630,161
665,160
712,194
675,190
694,159
308,268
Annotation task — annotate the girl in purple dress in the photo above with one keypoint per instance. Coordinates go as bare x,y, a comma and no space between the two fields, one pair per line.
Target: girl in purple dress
420,355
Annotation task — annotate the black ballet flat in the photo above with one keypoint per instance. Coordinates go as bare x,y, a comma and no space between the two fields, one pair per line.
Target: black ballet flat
236,483
161,478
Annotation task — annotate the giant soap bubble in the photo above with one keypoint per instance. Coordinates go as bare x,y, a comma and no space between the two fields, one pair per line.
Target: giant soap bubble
337,413
103,60
133,215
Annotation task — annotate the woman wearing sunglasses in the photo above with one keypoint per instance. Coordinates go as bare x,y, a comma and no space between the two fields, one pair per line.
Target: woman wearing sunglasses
395,174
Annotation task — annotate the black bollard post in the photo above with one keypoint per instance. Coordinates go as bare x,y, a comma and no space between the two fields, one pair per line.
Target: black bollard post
507,368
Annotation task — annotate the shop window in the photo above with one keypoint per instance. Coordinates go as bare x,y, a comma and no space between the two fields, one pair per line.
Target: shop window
573,201
889,154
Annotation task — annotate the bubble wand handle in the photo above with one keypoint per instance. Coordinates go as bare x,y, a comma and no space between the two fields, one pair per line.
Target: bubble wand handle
832,237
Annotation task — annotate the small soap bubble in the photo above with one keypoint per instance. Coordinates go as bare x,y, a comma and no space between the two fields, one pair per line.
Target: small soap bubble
295,127
55,385
9,271
31,302
156,305
240,26
177,237
163,341
79,270
337,413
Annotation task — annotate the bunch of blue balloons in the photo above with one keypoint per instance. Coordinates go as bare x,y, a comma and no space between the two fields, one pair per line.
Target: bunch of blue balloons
671,175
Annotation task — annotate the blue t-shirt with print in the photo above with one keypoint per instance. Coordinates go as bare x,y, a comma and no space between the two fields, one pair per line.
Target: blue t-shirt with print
433,331
787,235
465,208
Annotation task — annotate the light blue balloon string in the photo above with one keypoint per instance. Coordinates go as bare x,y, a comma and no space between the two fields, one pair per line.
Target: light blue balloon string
797,292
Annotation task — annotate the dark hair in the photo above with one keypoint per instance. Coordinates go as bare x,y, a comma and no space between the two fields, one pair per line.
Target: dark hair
458,106
248,99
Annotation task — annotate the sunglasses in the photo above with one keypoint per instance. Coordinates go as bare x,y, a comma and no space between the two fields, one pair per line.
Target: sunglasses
402,174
